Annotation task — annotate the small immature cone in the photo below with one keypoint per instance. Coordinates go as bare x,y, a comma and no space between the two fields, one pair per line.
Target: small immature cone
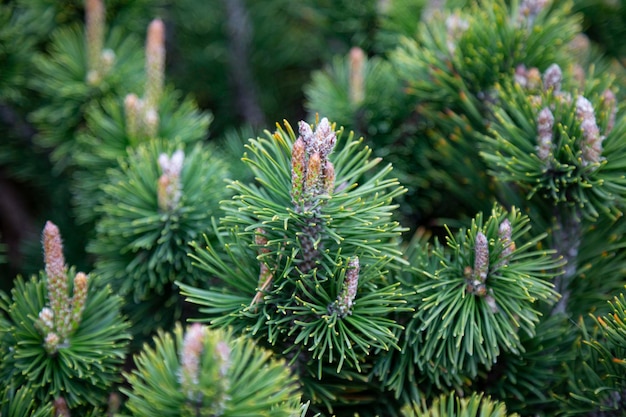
591,145
508,246
345,300
190,355
357,76
155,63
94,27
325,137
481,257
57,276
545,124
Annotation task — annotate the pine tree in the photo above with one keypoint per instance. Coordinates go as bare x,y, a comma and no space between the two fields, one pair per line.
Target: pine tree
435,227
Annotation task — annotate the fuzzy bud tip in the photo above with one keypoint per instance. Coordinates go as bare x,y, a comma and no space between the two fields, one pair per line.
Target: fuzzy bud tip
481,257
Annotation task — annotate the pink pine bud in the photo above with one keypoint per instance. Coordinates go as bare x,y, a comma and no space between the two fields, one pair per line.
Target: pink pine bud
79,300
345,300
357,76
529,10
222,353
169,188
481,257
533,78
325,138
94,28
507,243
591,144
56,271
190,356
155,63
552,78
545,124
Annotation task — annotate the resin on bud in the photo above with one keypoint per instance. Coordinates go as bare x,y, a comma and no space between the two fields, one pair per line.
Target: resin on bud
169,188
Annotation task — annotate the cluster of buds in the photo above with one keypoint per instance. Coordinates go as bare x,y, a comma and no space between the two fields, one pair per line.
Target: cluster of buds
591,143
345,300
169,189
142,115
64,314
357,76
312,176
191,354
99,60
455,27
529,10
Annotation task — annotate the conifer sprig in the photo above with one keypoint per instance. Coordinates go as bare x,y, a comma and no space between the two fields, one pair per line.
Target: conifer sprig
62,346
560,144
263,233
210,372
482,294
